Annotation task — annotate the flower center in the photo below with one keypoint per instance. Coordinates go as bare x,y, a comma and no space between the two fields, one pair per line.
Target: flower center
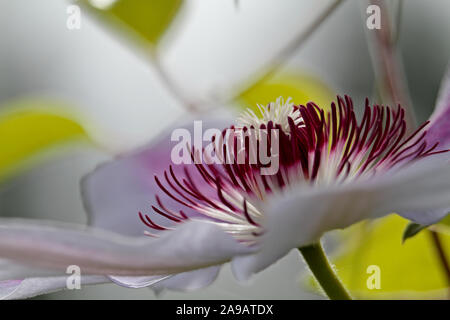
315,148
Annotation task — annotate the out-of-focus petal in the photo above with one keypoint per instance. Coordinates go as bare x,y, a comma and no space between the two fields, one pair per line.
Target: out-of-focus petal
300,216
116,191
30,287
193,245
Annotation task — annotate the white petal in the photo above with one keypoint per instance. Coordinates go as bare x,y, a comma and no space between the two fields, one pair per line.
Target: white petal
300,216
188,281
425,217
185,281
427,194
192,245
137,282
30,287
421,187
439,128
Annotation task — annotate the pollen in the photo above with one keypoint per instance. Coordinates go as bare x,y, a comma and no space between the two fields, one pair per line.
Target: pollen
277,112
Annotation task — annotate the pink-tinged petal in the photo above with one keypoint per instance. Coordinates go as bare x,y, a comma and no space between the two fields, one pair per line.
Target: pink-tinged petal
193,245
117,191
31,287
443,99
300,216
439,130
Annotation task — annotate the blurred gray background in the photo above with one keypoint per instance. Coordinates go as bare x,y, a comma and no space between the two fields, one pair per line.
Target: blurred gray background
211,46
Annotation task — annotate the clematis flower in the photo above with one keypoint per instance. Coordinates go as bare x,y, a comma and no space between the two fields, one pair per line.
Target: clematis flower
163,225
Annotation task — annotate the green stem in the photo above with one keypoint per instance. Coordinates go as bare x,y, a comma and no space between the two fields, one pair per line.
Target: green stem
442,256
317,261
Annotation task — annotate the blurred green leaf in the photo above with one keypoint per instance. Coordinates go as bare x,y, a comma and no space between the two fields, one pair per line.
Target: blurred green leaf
28,128
300,87
411,230
409,270
146,18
